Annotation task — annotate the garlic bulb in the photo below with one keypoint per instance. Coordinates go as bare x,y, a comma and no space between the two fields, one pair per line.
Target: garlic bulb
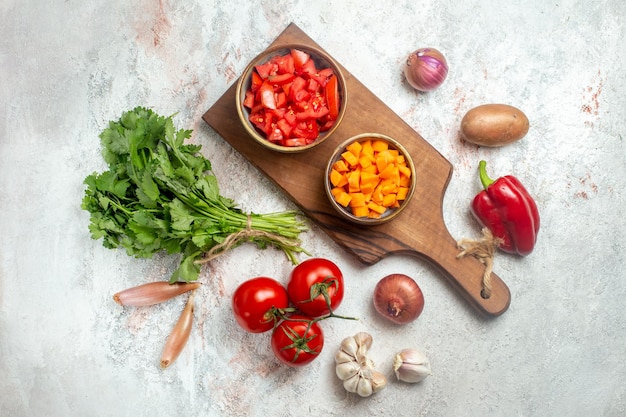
411,365
354,367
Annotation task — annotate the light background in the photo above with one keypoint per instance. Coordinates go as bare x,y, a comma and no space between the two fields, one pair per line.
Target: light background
68,67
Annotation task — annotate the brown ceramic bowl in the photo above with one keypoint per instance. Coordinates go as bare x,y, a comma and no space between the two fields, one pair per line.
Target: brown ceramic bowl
332,182
322,60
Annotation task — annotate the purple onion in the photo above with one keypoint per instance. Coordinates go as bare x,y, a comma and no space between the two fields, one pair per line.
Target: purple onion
426,69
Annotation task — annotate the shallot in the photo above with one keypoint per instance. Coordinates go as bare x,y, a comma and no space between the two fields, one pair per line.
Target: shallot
398,298
152,293
177,340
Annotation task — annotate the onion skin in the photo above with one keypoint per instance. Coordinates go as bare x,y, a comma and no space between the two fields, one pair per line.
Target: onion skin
152,293
177,340
398,298
426,69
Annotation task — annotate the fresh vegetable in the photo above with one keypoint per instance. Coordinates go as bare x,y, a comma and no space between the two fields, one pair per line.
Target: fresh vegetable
291,100
507,209
259,303
411,365
177,340
370,178
297,341
398,298
152,293
494,125
426,69
355,368
157,196
316,287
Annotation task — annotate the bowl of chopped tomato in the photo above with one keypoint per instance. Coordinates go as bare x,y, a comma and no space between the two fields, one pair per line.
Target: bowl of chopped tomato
291,98
370,179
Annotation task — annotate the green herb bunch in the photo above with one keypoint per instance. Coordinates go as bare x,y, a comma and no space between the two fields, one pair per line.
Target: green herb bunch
159,195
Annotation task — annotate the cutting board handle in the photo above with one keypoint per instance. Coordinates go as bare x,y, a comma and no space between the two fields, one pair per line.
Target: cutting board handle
465,274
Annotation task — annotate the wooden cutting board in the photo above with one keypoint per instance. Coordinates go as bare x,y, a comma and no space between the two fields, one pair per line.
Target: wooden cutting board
419,230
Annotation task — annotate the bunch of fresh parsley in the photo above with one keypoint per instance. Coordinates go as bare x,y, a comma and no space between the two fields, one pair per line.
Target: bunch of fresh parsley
159,194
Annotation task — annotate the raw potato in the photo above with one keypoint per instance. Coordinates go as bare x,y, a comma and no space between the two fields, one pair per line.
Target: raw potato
494,125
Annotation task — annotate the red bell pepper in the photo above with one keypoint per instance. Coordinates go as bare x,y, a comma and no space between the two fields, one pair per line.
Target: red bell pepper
508,210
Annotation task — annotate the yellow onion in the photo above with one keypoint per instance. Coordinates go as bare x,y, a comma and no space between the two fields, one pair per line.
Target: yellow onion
426,69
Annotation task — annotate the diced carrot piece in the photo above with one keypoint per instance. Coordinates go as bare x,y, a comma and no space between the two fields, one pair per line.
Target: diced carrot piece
389,200
355,148
365,161
335,191
338,179
354,181
368,177
350,158
388,188
377,195
389,172
367,148
380,145
367,187
343,198
361,211
378,208
404,181
340,166
404,170
383,159
402,193
371,169
373,215
358,199
400,160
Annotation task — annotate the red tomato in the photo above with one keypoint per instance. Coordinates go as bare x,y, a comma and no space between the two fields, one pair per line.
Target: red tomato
297,341
315,284
255,303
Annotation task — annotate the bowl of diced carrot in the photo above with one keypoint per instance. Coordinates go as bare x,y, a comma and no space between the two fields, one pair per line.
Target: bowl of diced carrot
370,179
291,98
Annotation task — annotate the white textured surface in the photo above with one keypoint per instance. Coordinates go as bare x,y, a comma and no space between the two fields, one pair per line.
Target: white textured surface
70,66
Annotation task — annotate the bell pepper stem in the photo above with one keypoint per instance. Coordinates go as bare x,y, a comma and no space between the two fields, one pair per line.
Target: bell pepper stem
484,178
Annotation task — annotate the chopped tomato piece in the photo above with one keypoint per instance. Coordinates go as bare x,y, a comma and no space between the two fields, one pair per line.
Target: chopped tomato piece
281,99
313,85
275,135
299,58
286,64
267,69
295,142
255,82
308,68
248,101
285,127
267,95
332,97
281,78
306,129
290,117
